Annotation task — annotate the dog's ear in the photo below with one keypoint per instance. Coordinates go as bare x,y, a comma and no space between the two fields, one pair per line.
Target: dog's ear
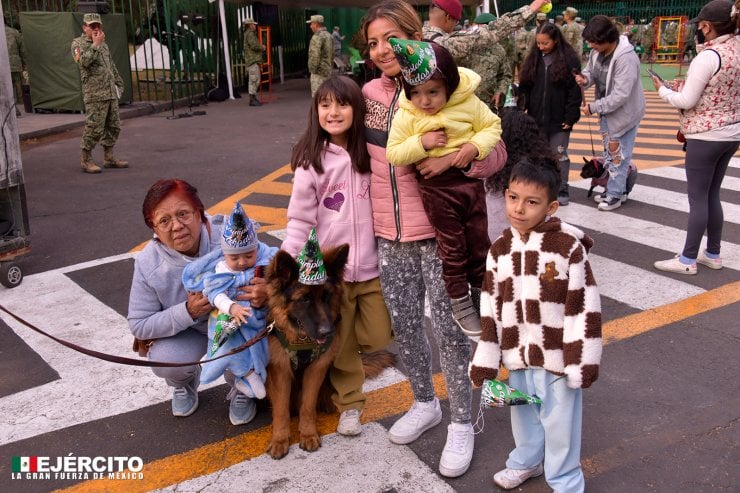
586,160
283,269
335,259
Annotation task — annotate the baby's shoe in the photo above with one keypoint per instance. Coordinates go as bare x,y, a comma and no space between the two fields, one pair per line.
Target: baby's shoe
258,387
466,316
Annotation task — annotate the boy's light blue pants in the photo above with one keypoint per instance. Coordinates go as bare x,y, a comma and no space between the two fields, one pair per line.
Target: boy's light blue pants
549,432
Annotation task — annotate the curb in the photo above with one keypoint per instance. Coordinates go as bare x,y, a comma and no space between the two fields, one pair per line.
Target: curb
137,109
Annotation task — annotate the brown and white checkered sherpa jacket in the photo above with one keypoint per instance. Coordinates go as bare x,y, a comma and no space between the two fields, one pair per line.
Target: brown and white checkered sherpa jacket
540,306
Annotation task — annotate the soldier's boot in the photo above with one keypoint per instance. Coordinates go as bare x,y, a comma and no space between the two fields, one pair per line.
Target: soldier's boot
87,163
253,101
112,162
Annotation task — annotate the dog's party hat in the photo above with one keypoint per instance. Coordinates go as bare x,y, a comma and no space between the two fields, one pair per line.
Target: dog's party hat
311,263
239,234
416,58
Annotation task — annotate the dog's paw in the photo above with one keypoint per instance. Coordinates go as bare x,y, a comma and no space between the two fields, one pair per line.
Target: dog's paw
310,443
279,448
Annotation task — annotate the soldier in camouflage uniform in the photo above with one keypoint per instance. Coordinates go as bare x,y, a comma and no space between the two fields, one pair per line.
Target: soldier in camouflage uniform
17,61
648,36
101,88
572,31
252,59
461,44
493,66
320,52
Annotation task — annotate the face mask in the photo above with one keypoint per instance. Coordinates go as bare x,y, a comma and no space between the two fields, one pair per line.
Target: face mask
700,39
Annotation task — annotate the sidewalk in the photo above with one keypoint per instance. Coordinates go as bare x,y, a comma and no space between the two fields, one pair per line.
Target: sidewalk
38,125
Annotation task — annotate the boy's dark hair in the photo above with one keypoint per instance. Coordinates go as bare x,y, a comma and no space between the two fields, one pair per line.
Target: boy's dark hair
563,63
446,71
523,138
600,29
310,147
543,172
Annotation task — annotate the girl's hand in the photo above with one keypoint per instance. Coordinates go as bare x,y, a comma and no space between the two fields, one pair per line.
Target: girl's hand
462,158
434,166
240,313
434,139
255,293
197,305
580,80
565,126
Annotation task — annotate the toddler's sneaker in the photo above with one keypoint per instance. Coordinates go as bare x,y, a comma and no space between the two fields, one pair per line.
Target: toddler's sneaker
511,478
421,417
610,204
712,263
349,423
458,451
675,265
466,316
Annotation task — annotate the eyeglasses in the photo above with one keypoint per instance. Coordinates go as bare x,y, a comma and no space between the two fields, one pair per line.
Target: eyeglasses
166,223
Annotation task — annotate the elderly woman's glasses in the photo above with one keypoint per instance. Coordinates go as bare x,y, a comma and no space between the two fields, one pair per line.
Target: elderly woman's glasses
166,223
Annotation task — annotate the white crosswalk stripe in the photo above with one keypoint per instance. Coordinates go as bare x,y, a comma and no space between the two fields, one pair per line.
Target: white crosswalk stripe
679,174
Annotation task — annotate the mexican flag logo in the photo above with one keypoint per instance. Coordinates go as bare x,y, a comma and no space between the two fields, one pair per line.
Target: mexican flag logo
25,464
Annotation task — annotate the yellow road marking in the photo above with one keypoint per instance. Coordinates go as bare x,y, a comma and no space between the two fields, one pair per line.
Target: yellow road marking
381,403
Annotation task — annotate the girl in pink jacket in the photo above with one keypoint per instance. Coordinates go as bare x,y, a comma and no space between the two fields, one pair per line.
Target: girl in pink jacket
331,192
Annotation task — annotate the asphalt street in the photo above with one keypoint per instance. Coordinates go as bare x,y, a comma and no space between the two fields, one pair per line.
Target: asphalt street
663,415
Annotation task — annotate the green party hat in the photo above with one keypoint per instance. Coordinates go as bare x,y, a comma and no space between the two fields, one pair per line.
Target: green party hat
416,58
311,262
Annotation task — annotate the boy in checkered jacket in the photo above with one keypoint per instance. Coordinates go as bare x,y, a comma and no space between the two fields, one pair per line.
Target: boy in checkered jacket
541,319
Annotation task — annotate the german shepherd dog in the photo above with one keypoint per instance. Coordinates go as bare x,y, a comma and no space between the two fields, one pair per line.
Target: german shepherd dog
304,341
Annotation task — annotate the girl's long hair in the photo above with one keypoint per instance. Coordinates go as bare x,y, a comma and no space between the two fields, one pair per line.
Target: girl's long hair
563,63
309,150
523,139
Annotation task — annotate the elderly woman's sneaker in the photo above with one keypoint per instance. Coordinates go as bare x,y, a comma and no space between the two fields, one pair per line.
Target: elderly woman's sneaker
184,401
242,409
712,263
675,265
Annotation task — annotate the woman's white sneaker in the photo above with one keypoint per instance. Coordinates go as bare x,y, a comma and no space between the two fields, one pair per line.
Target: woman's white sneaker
421,417
458,451
712,263
675,265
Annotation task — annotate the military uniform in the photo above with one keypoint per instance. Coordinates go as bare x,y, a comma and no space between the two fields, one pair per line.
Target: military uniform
461,43
648,36
494,68
573,34
320,57
17,61
101,88
252,59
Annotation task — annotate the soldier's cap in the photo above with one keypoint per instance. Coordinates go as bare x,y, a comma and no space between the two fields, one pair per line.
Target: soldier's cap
452,7
541,16
558,17
318,19
249,21
92,19
570,11
484,18
714,11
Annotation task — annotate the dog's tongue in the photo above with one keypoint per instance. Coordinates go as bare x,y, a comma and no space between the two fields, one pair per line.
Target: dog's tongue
320,341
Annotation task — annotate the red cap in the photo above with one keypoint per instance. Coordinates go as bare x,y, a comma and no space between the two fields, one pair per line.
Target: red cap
452,7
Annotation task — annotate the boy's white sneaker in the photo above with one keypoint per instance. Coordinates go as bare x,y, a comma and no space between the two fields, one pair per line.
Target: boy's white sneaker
458,451
421,417
349,423
511,478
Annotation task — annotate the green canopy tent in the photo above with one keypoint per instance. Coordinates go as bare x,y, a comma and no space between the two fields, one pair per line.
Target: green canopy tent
53,75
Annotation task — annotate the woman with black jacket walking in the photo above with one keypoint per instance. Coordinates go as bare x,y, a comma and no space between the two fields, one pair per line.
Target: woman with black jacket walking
551,95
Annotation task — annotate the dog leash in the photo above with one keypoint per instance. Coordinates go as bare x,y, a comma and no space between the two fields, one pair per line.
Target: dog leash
132,361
